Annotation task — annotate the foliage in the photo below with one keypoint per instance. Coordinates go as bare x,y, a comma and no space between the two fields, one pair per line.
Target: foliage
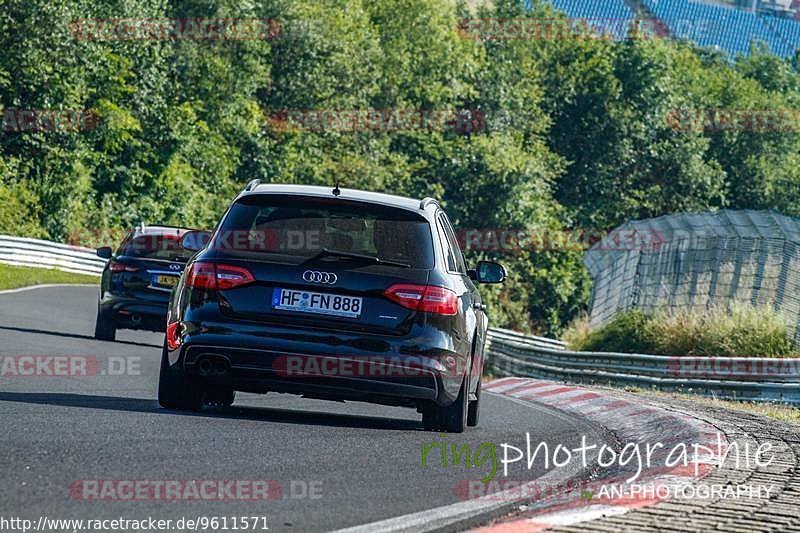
576,137
740,330
628,332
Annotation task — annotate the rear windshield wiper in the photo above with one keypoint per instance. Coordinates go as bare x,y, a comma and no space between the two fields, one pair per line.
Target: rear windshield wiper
326,252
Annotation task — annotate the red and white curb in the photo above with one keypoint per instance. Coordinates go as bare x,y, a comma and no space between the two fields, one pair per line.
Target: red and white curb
631,420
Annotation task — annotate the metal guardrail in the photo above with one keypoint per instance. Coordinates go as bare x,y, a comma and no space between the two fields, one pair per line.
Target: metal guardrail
740,378
22,251
512,353
528,340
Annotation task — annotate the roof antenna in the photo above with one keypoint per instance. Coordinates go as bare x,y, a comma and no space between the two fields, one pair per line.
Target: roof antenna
336,191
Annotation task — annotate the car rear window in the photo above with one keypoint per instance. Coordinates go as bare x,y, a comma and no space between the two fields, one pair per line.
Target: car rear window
164,246
300,228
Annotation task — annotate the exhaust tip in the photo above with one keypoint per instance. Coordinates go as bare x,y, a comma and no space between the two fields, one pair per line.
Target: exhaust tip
213,366
205,366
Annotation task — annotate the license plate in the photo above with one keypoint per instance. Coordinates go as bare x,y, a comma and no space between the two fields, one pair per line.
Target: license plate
167,281
316,302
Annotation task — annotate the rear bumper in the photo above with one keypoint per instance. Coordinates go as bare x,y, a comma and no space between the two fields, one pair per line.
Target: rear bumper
133,313
263,370
324,365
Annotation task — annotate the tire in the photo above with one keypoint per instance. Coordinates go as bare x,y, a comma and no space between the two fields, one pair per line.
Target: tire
430,418
474,410
455,414
452,418
176,390
104,327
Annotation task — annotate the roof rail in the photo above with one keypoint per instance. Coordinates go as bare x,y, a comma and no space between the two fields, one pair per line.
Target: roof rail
252,185
426,201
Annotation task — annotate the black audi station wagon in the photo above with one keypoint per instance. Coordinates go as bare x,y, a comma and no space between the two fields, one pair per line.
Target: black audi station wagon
332,294
138,278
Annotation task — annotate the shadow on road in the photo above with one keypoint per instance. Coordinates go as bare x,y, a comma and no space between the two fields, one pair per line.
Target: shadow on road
73,336
141,405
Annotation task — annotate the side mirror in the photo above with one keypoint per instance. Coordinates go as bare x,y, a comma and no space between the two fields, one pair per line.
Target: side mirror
104,252
195,240
489,272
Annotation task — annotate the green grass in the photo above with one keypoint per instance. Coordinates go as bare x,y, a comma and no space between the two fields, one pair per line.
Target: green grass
737,330
785,413
12,277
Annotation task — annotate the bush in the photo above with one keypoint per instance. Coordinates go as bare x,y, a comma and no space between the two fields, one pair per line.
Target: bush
628,332
18,212
738,330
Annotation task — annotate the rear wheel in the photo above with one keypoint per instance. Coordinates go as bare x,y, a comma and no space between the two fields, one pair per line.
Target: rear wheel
430,417
455,415
104,327
176,390
452,418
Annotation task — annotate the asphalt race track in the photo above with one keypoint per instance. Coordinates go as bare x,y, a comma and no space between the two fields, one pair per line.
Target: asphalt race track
362,462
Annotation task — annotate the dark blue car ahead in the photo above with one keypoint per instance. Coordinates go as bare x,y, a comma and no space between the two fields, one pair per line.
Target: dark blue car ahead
332,294
137,280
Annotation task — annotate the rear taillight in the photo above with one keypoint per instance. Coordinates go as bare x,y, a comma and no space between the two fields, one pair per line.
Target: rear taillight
202,276
213,276
425,298
119,266
173,336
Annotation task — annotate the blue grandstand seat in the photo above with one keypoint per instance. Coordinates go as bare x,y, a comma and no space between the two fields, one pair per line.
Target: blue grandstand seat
730,29
605,10
725,28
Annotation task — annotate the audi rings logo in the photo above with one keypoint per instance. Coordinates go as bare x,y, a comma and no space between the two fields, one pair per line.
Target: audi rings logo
315,276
